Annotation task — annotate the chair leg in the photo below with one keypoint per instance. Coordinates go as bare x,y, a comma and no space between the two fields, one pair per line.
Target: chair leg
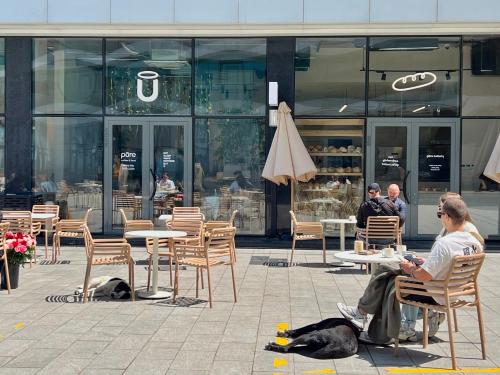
6,271
197,280
324,250
201,277
452,343
176,279
481,329
293,249
455,321
170,268
86,281
234,283
209,287
234,250
425,338
149,273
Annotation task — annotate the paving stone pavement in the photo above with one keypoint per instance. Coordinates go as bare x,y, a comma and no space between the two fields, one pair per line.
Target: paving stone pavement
43,330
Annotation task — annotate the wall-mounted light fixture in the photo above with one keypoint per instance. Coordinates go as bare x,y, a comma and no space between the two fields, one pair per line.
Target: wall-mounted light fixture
383,77
273,102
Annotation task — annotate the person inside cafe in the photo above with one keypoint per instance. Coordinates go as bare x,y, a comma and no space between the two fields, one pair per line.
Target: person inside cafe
393,196
165,184
240,182
456,242
375,205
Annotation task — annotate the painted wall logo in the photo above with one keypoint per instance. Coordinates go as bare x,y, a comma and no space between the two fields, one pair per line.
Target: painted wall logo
147,75
400,84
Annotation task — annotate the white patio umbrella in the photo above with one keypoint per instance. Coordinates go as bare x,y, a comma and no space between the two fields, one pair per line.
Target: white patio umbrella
288,157
492,169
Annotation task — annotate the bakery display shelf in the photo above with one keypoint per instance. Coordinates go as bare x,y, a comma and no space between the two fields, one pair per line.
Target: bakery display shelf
339,174
336,154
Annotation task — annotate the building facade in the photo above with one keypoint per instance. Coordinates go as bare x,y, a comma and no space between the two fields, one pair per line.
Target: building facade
123,105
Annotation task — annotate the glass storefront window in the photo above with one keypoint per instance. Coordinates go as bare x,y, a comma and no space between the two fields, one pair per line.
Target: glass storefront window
161,66
2,76
481,77
414,76
67,75
229,158
67,165
481,194
2,154
230,77
330,77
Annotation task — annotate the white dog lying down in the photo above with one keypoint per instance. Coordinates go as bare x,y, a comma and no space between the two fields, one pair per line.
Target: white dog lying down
107,286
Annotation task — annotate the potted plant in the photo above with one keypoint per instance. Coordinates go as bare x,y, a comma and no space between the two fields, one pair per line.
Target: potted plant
20,248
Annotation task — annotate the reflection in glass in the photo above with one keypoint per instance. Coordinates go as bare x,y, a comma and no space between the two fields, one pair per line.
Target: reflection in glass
481,193
330,76
392,59
169,168
481,77
67,165
230,76
229,158
2,154
67,75
2,76
168,59
127,172
391,157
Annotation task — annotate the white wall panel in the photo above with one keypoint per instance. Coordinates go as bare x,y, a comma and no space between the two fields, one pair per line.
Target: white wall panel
403,11
79,11
341,11
206,11
469,11
271,11
23,11
140,11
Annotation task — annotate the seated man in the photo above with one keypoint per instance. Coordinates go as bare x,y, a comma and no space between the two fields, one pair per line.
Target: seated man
456,242
375,206
393,196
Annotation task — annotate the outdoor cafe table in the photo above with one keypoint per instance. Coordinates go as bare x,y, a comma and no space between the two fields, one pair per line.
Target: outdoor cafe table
47,220
342,223
155,235
375,259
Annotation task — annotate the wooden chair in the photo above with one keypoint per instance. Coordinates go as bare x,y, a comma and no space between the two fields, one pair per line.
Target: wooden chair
68,228
187,213
380,231
215,224
107,252
307,230
127,202
215,252
4,227
460,282
135,224
20,221
48,224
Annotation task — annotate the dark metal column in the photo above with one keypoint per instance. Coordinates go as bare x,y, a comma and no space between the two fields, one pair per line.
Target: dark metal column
280,68
18,135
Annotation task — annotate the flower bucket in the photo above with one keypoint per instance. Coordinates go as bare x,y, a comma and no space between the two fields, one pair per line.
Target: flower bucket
13,274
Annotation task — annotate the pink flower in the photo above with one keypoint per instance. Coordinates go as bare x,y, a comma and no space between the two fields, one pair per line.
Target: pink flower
9,235
21,249
19,235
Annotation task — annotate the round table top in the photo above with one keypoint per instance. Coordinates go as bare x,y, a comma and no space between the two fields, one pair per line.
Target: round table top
42,216
351,256
155,233
338,221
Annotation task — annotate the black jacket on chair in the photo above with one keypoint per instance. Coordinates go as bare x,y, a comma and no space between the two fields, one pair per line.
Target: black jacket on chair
375,207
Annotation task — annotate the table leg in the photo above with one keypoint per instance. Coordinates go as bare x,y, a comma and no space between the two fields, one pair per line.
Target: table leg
47,224
342,236
154,293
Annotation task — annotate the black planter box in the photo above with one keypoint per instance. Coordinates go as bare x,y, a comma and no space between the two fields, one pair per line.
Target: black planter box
20,201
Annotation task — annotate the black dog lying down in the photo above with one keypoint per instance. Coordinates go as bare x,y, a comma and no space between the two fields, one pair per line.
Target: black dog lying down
330,338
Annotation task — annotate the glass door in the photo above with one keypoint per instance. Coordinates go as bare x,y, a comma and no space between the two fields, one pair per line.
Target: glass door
421,157
147,169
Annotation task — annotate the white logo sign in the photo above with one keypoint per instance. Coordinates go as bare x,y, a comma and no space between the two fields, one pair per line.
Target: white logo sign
413,77
147,75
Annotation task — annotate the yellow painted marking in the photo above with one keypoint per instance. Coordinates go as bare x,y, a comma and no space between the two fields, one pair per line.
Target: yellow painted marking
278,362
19,325
431,370
321,371
281,326
281,341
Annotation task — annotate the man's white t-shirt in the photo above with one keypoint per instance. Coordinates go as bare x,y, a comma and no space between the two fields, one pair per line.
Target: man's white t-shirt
445,249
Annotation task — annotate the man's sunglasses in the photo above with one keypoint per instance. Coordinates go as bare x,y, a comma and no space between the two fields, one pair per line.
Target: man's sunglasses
372,192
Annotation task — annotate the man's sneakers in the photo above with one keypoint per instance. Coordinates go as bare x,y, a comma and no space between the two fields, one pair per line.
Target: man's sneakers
435,319
352,313
408,334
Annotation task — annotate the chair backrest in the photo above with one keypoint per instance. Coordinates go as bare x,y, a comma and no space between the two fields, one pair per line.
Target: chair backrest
4,227
463,273
294,218
187,213
125,201
220,243
45,209
193,228
179,210
20,221
231,219
109,251
382,227
140,224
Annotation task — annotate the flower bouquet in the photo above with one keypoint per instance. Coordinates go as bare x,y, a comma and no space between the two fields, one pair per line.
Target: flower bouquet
20,247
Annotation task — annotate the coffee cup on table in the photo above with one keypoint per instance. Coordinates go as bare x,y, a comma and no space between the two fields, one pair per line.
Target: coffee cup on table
388,252
352,217
401,249
358,246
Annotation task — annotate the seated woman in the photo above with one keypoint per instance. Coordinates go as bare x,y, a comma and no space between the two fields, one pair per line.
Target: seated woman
166,184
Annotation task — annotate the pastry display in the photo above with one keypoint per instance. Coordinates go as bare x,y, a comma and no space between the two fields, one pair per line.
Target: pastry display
343,149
